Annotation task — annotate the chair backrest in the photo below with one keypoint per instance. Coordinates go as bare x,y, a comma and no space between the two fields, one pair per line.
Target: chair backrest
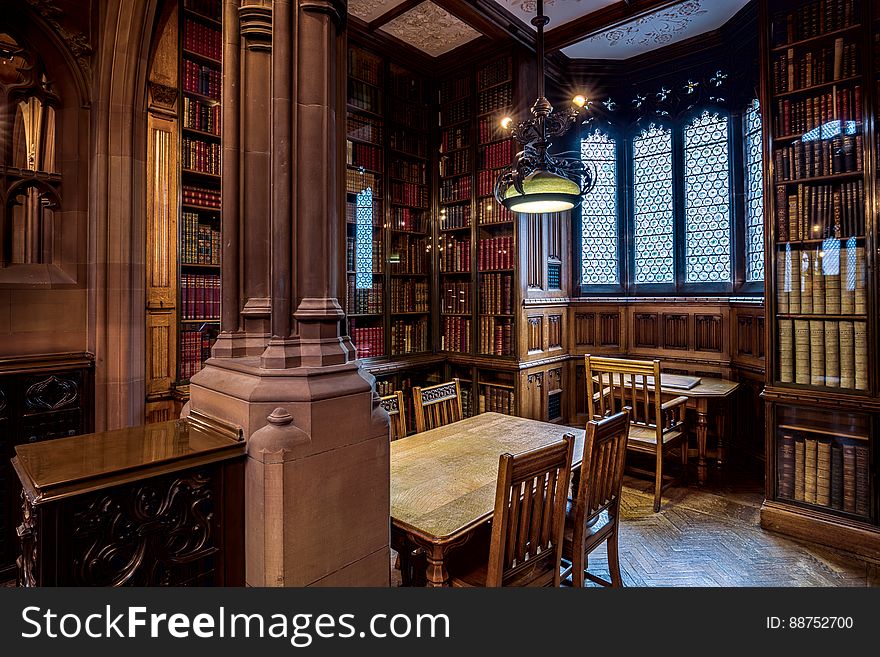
602,467
395,407
437,405
529,518
614,383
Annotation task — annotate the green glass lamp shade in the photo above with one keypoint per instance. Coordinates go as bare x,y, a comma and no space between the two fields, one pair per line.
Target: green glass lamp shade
544,192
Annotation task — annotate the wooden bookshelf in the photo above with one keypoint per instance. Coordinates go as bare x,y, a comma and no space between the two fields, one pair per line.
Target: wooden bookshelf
822,391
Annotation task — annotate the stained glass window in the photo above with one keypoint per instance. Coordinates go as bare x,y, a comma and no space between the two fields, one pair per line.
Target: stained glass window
599,242
754,193
707,200
363,250
652,206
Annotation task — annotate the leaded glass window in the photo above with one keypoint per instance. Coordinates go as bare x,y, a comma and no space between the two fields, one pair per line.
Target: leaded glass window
707,200
653,206
599,243
363,249
754,193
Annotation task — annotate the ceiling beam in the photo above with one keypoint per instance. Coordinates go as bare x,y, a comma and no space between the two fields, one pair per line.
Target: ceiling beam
392,13
601,19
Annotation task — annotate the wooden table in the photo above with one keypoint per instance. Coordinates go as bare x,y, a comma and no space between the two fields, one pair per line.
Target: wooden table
443,481
708,390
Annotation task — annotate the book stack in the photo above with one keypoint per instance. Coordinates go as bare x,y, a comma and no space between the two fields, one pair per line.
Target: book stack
198,115
495,72
364,66
456,334
832,473
408,220
496,155
496,400
455,111
409,194
363,155
408,255
405,86
201,156
455,216
363,96
795,70
201,197
370,342
409,296
453,89
814,18
357,181
455,256
409,337
200,244
403,141
195,348
384,387
364,301
803,160
489,130
496,335
456,163
408,171
491,212
453,190
200,296
496,294
495,99
201,79
831,353
808,212
822,281
821,116
454,138
414,117
495,253
363,128
455,297
202,40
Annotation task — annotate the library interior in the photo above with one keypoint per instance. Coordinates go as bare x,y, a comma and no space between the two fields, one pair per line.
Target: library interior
439,293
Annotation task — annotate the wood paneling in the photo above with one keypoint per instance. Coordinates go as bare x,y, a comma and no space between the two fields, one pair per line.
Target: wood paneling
675,331
584,329
708,333
535,333
646,331
554,332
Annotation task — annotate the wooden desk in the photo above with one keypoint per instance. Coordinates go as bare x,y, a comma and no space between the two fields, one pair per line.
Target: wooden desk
707,391
443,481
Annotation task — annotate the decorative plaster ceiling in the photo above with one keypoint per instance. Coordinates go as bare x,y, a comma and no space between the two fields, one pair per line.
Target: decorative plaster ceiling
559,11
430,29
368,10
677,23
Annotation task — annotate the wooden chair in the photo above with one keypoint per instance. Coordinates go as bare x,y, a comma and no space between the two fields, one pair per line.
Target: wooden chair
396,410
438,405
525,548
594,516
656,427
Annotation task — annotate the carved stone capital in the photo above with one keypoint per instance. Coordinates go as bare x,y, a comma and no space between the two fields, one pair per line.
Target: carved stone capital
162,95
256,26
336,9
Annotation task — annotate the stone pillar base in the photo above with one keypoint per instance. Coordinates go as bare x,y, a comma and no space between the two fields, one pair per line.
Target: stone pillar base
317,493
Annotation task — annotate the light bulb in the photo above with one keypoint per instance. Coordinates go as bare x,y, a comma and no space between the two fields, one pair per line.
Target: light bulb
506,122
579,100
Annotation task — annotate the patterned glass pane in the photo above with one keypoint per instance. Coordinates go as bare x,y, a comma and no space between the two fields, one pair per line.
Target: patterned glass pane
363,250
652,205
599,213
707,200
754,188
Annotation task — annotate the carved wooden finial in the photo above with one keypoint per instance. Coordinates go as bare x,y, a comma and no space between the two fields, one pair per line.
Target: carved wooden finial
280,417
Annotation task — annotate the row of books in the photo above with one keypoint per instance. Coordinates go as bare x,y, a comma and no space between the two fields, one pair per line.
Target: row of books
202,197
200,243
413,117
821,157
455,297
209,8
201,79
489,129
201,116
409,255
364,301
405,141
453,89
201,156
495,72
495,253
455,216
409,220
822,281
358,181
364,97
195,349
371,211
796,72
486,183
409,337
496,155
365,66
456,163
364,128
817,352
200,296
409,296
455,256
467,402
384,387
456,334
455,111
453,190
202,40
496,400
496,294
820,211
405,86
492,212
495,99
369,342
829,473
356,260
842,105
496,335
408,171
363,155
454,138
814,18
411,194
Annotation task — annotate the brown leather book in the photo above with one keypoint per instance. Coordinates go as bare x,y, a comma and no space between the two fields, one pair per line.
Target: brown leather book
811,453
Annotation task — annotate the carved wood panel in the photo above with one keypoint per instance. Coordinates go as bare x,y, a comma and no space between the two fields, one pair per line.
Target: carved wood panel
535,333
609,330
584,329
708,333
554,331
533,403
645,330
675,331
535,250
161,352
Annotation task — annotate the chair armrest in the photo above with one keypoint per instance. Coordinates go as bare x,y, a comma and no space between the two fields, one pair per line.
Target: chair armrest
672,413
672,403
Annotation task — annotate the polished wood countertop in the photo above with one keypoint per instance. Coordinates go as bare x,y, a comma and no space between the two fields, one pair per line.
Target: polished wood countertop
70,466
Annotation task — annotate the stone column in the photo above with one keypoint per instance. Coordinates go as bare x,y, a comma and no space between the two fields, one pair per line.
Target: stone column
317,492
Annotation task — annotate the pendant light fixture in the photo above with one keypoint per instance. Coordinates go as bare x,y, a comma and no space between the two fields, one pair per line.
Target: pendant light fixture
538,182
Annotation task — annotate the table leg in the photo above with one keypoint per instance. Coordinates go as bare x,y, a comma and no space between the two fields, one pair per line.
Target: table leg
722,423
436,570
702,433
